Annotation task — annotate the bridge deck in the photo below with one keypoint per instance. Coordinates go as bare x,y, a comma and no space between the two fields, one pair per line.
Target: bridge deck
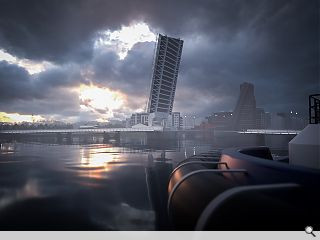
270,131
148,129
95,130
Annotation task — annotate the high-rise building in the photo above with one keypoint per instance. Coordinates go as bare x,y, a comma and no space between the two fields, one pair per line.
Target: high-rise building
173,121
244,115
261,121
164,78
176,120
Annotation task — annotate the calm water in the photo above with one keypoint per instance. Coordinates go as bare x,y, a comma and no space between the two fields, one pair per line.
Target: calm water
90,183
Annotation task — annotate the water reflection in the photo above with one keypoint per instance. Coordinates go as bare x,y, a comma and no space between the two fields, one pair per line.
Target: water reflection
95,183
93,158
95,161
130,218
6,148
29,190
157,176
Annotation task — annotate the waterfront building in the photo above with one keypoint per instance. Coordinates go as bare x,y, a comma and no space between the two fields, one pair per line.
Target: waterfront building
188,121
164,79
220,120
174,121
263,119
137,118
290,120
181,122
277,121
128,122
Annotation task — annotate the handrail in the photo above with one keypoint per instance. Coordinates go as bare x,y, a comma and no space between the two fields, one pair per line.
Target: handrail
196,162
217,201
196,172
205,155
200,157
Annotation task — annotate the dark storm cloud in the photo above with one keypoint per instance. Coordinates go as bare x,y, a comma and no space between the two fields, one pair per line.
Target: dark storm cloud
131,75
45,93
63,76
62,30
58,102
277,51
57,30
272,43
15,83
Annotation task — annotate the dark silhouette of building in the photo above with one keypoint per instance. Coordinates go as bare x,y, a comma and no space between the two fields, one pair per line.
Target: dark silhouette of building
244,115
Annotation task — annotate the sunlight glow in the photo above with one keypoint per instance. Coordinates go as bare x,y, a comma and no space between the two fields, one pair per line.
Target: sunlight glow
124,39
91,159
102,101
32,67
19,118
94,162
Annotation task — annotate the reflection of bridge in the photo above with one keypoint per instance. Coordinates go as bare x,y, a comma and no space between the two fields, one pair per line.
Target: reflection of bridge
270,132
79,131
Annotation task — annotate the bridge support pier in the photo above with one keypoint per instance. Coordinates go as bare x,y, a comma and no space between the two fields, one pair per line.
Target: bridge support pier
107,136
69,138
117,136
59,138
260,140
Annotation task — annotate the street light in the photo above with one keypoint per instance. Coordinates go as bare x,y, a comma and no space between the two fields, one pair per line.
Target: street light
185,121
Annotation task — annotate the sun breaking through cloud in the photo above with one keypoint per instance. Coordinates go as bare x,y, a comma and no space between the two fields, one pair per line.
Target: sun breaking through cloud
100,100
124,39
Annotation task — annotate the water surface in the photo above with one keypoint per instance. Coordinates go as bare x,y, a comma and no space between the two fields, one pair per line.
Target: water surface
90,183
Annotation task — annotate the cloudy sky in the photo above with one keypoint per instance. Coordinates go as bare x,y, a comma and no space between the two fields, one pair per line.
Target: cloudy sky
92,59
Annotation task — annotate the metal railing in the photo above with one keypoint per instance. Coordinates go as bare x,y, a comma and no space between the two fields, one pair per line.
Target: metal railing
314,109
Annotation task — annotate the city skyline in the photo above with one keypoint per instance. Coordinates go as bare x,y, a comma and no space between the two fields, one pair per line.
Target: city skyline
194,117
155,116
81,61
